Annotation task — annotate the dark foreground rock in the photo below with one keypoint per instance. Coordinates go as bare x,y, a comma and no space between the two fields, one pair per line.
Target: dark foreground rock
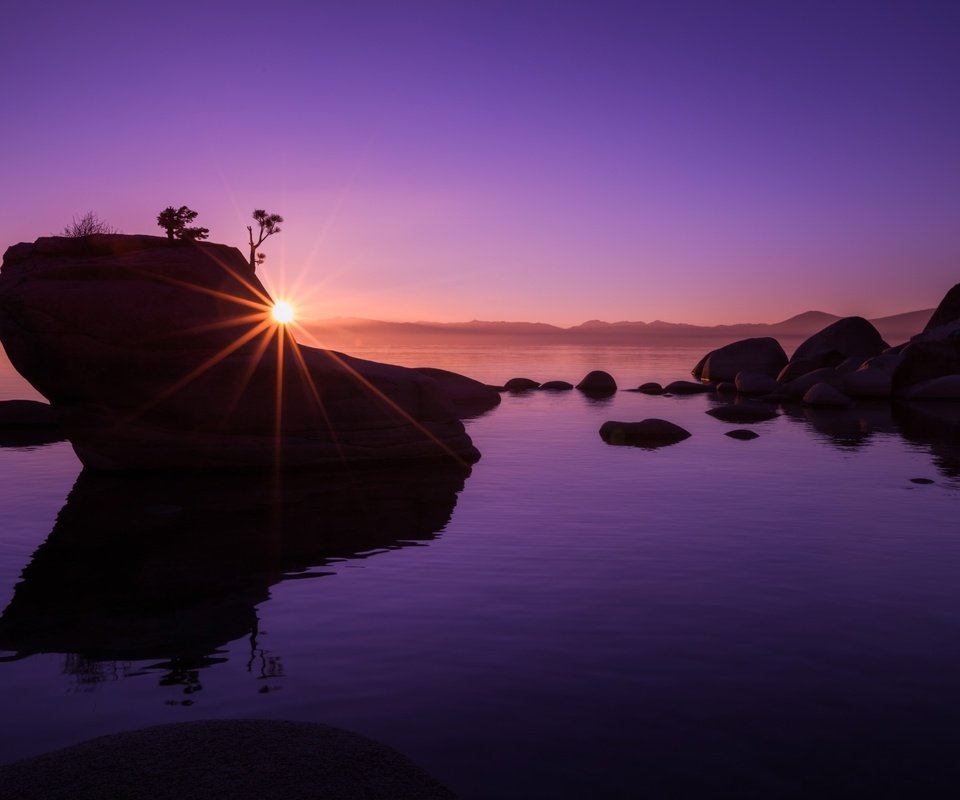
762,355
239,759
159,354
27,414
649,433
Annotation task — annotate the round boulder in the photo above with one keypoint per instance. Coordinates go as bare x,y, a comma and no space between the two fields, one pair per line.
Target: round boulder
742,434
761,354
650,433
798,387
556,386
796,369
520,385
598,383
850,336
923,360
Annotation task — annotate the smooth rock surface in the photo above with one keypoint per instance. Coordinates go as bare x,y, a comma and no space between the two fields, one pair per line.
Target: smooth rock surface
27,414
159,354
649,433
743,413
236,759
742,434
760,354
923,360
598,383
850,336
556,386
685,387
516,385
755,383
798,387
946,387
947,311
650,387
823,394
470,397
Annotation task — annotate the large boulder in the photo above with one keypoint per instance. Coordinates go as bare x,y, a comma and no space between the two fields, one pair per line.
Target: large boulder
850,336
947,312
923,360
470,397
761,354
164,354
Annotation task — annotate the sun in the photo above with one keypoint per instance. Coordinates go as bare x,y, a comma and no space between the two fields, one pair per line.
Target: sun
283,312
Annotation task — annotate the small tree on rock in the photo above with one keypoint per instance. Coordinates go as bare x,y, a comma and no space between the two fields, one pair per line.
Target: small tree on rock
175,222
87,225
268,225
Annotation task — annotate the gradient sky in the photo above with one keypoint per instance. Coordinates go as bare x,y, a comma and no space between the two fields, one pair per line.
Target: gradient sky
704,161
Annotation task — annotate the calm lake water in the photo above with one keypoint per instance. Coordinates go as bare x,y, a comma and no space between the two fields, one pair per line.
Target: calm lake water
770,618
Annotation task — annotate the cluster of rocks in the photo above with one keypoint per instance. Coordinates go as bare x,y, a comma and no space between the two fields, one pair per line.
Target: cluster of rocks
843,363
846,362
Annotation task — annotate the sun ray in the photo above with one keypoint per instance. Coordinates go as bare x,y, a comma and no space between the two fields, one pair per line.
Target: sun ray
255,359
195,373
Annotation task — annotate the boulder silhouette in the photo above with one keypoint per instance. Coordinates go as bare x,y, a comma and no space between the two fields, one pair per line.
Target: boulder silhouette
597,383
947,312
850,336
761,354
649,433
164,354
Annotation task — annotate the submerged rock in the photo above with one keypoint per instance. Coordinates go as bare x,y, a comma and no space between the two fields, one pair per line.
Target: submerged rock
686,387
650,387
649,433
743,413
742,434
556,386
515,385
159,354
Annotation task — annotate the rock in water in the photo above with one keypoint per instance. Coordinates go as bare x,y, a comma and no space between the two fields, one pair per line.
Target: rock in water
160,354
649,433
598,383
762,355
850,336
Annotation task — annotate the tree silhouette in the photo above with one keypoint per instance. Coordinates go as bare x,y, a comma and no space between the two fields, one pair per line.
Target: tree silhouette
268,226
175,220
87,225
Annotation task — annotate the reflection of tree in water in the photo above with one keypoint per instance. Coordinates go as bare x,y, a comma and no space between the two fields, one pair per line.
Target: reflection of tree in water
169,569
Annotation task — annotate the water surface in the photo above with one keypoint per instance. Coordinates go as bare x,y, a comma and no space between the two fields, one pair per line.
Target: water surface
777,617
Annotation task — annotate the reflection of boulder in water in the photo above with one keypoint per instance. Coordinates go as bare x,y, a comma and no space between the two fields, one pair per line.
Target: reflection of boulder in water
158,566
934,424
846,428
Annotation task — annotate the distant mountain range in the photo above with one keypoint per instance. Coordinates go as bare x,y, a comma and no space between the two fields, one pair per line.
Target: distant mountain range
343,331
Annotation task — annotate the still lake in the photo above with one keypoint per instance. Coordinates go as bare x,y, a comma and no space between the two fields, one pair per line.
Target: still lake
769,618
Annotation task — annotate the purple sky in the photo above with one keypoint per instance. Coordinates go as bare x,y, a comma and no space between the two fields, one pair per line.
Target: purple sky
703,161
